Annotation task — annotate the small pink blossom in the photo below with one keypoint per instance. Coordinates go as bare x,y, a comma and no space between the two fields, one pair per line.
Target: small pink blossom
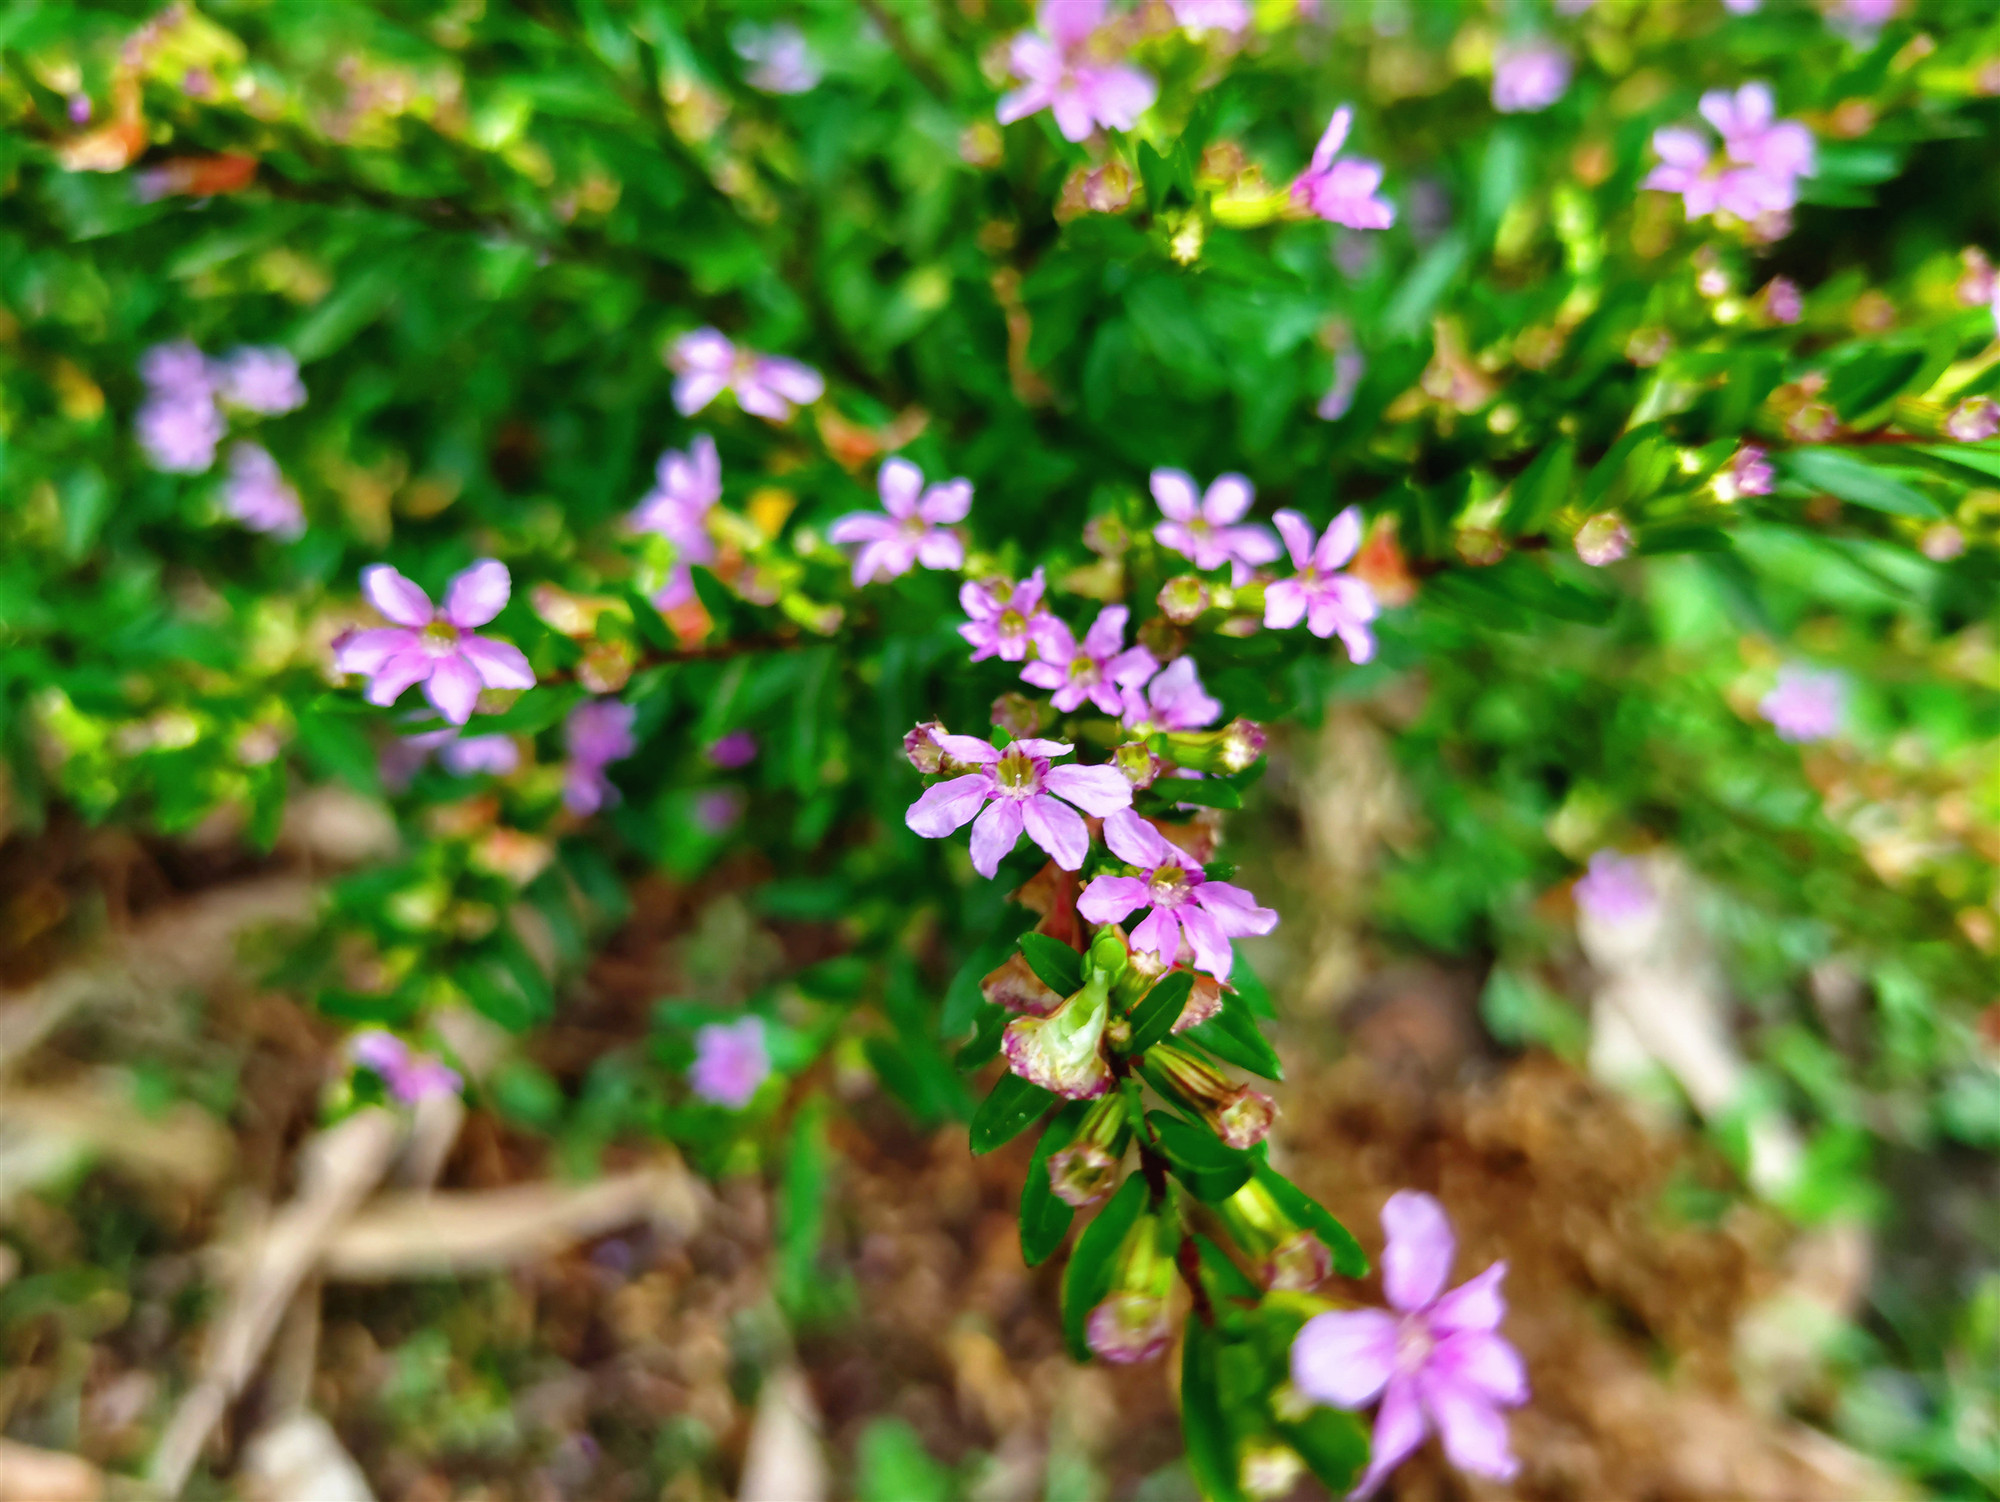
1756,178
1529,77
1973,420
434,647
1805,705
706,364
177,370
460,755
1603,539
179,432
1172,700
1343,191
1182,899
1782,302
1016,790
686,487
410,1076
1438,1362
1097,670
730,1062
782,61
1007,619
260,378
597,733
1204,530
1327,601
1348,368
1076,72
1615,890
1748,472
1865,15
1211,15
736,749
910,528
257,494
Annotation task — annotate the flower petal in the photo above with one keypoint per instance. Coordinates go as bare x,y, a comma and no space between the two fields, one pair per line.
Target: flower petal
899,483
1399,1429
1284,604
1158,933
995,833
1111,899
1483,1362
861,526
453,687
367,651
477,594
1058,829
1476,1304
1106,635
1234,910
397,674
499,664
697,389
1298,535
966,748
1099,791
1418,1257
943,505
949,805
1340,542
1135,840
1473,1430
1332,139
396,597
1174,490
1204,935
1227,499
1344,1358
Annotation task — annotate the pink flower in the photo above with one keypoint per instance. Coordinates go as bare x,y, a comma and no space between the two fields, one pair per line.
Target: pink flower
1782,302
260,379
1438,1362
1204,530
256,494
1763,158
736,749
1529,77
1748,472
1172,700
1973,420
912,531
706,364
1018,789
685,487
178,369
179,432
1327,601
1603,539
1006,618
1343,192
1211,15
1095,671
1348,368
1075,73
1866,15
1182,899
783,62
1806,705
434,647
730,1062
460,755
1615,890
409,1076
597,733
1782,150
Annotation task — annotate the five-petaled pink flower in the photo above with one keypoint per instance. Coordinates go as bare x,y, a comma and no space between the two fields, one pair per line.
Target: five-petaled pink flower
410,1076
913,529
1438,1362
706,364
730,1062
1018,789
1204,529
1097,670
1075,72
1762,158
1170,701
1806,705
1343,190
1006,618
686,487
1327,601
1183,900
597,733
435,647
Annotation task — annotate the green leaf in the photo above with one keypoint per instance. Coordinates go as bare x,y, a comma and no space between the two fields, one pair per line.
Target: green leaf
1227,1279
1205,792
1332,1443
1093,1264
1213,1172
1867,381
1059,967
892,1465
1981,458
1250,986
1045,1219
335,746
1541,489
1009,1110
988,1028
1159,1009
802,1209
1348,1258
1840,473
1514,592
1232,1034
1211,1451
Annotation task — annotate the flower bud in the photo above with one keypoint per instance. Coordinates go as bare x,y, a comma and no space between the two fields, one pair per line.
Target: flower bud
1131,1324
1233,748
1289,1258
1240,1116
1603,539
1203,1002
1086,1169
1815,422
1061,1051
1019,714
1268,1469
925,754
1108,953
1781,300
1183,598
1140,766
1299,1263
1016,987
1973,420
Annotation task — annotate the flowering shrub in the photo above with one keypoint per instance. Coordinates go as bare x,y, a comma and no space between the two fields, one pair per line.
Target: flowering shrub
603,366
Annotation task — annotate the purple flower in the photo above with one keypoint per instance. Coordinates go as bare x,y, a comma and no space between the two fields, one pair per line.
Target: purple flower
1742,7
1748,472
179,432
730,1062
1182,899
1973,420
597,733
1211,15
1866,15
718,810
1097,670
1615,890
1204,530
912,531
1327,601
1343,192
685,487
1075,73
1006,618
260,379
736,749
782,62
1806,705
1782,303
1170,701
435,647
1603,539
1782,150
1348,368
1438,1362
257,495
177,370
706,364
1529,76
1018,789
1763,158
409,1076
78,109
462,756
